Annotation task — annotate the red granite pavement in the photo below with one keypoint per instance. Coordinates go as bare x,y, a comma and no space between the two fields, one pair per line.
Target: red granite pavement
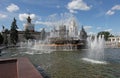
8,69
18,68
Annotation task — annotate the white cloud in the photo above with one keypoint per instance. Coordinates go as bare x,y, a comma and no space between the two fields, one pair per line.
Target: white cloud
110,12
45,23
73,11
109,30
87,27
58,6
2,16
98,28
116,7
23,16
12,8
77,5
113,10
91,33
56,20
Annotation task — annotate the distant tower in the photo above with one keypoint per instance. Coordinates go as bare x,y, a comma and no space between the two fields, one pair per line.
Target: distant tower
29,26
83,34
73,28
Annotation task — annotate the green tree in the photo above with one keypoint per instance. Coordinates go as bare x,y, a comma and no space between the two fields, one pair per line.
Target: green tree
14,32
1,38
5,41
106,34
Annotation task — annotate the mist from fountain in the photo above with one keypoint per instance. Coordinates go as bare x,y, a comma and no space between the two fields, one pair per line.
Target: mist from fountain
95,52
63,27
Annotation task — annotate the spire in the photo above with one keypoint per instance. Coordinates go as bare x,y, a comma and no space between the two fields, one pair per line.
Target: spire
82,27
83,34
3,27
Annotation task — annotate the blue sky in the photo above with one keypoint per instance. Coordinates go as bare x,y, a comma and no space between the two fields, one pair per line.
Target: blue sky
94,15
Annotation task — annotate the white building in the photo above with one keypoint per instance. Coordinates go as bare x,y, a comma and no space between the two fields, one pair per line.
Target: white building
114,39
73,32
113,42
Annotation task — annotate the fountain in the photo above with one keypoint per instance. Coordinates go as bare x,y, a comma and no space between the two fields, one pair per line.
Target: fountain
62,36
95,50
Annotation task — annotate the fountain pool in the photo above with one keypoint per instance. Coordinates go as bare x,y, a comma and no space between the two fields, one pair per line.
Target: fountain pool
69,64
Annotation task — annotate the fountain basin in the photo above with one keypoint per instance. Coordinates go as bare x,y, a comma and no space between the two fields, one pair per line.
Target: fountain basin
62,44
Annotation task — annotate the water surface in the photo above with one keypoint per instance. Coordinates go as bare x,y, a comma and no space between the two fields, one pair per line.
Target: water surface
69,64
